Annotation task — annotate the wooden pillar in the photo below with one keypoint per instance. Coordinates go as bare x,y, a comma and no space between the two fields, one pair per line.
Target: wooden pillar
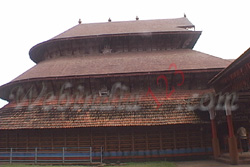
232,141
215,141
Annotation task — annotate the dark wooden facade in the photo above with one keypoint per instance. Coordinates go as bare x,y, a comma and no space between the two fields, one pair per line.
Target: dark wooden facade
130,141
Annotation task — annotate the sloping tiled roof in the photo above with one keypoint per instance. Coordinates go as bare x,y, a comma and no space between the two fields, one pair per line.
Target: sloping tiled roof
88,113
238,64
127,27
122,63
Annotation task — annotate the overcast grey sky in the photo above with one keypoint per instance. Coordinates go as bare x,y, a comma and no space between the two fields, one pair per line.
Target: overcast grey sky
224,24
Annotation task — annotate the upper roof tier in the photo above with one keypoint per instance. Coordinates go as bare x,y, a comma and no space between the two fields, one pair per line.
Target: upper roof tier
127,27
103,32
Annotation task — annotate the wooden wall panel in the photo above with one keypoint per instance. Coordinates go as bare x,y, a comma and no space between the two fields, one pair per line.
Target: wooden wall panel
112,139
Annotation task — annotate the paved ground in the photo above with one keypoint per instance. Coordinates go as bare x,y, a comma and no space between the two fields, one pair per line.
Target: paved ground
205,163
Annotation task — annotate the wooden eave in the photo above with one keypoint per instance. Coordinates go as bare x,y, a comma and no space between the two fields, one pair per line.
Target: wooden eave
6,88
37,51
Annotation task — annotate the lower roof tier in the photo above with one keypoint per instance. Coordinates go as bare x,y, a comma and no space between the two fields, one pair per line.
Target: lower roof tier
182,107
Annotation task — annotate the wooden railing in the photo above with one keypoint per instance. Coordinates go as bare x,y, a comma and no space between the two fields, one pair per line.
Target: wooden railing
48,155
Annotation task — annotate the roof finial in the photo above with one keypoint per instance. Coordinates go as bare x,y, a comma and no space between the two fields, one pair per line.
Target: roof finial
137,18
80,21
185,15
109,20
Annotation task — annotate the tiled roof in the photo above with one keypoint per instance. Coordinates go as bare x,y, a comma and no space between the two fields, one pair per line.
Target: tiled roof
99,111
120,63
177,26
237,64
127,27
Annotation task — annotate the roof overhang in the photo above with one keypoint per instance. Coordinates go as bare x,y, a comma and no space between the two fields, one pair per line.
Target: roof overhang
232,77
37,51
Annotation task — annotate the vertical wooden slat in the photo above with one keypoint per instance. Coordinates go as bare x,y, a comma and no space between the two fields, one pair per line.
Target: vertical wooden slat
90,89
65,140
188,140
8,144
172,81
119,141
39,140
157,42
147,140
53,86
174,135
130,86
91,138
161,139
57,46
16,138
151,43
27,140
128,43
122,44
78,138
105,140
52,139
191,79
201,136
133,140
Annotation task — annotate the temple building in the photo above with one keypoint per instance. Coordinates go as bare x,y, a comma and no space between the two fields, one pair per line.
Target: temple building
127,90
